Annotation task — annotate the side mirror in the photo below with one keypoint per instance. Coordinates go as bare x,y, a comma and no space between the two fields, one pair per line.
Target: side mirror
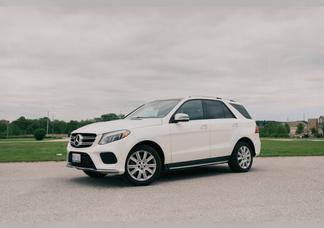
181,117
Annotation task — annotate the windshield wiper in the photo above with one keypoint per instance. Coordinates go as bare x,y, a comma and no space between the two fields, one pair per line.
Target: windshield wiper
142,117
137,117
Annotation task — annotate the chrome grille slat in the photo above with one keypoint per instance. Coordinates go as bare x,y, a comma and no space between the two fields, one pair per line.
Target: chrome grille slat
89,138
81,140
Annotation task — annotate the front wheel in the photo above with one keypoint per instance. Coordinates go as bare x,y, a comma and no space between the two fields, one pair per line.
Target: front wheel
94,174
242,158
143,165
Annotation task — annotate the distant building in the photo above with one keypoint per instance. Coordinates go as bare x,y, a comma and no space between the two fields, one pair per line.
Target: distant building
313,124
316,124
293,127
321,120
321,125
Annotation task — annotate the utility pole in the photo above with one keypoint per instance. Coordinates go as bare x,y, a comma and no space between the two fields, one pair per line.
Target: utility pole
53,124
8,129
306,124
47,124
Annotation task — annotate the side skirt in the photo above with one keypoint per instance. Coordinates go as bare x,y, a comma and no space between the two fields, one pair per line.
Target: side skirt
196,163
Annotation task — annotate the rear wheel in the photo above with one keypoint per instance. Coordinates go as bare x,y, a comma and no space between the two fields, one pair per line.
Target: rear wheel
94,174
241,158
143,165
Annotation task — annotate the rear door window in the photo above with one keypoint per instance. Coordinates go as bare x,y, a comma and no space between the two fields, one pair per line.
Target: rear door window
217,110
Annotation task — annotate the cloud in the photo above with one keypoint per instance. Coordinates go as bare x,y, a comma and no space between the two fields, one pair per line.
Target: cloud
82,62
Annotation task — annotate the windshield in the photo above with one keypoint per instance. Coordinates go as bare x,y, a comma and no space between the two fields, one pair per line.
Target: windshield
154,109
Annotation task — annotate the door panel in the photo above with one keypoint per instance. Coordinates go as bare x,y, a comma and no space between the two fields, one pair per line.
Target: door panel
221,136
190,140
222,124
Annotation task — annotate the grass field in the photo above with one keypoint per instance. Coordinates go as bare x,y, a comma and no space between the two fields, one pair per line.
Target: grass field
301,147
19,151
30,150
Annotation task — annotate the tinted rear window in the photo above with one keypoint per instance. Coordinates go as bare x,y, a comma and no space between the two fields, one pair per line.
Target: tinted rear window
217,110
242,110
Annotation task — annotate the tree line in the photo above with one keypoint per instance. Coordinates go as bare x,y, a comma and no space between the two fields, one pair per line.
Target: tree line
24,126
273,129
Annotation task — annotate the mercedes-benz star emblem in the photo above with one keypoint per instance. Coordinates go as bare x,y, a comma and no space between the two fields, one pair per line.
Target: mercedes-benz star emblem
78,140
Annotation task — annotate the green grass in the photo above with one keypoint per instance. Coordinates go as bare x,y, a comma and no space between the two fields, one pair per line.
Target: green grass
297,147
28,139
32,151
22,151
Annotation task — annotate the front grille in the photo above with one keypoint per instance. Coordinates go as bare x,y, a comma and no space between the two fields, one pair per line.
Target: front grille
82,140
86,161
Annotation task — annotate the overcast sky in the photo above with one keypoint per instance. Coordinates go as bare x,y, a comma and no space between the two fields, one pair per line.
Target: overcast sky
80,62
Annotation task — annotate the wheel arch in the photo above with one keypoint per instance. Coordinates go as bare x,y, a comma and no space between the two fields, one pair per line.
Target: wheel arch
154,145
249,141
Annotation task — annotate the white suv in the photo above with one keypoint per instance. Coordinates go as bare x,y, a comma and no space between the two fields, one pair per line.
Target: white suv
167,135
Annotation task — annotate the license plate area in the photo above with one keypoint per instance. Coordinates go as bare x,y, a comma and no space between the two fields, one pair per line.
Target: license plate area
76,158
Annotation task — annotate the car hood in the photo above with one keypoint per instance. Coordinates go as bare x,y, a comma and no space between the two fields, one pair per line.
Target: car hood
115,125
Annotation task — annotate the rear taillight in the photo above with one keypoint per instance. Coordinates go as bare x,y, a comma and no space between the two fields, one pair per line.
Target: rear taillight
257,130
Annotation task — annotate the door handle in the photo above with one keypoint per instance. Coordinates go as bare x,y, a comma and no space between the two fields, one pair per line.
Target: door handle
235,124
203,127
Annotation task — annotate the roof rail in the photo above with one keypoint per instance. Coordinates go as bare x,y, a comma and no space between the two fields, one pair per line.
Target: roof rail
206,96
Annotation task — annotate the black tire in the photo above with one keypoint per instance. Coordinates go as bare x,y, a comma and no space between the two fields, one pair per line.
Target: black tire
94,174
153,175
235,161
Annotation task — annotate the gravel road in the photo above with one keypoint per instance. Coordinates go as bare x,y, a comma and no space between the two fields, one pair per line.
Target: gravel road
276,189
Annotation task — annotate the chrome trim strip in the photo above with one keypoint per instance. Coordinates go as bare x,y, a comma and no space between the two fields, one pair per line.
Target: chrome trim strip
197,165
110,171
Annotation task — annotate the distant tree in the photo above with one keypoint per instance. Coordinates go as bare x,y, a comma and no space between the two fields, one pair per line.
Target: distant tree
121,116
58,126
19,126
23,126
43,122
274,129
281,131
33,125
287,128
300,128
14,129
315,132
71,126
86,122
109,117
39,134
3,128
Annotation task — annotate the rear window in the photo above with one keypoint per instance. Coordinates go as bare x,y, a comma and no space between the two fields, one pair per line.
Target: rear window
217,110
242,110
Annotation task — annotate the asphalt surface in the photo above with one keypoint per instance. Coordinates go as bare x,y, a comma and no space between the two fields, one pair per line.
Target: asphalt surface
276,189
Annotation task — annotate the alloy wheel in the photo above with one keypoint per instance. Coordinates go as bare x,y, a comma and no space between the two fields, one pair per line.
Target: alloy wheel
244,157
141,165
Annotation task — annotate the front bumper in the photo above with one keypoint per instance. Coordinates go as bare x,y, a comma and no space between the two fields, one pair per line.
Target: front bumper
106,171
91,159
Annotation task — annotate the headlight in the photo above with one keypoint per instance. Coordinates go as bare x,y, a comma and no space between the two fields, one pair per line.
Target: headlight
113,136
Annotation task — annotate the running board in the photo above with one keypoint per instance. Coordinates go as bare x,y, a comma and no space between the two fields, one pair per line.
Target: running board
196,163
